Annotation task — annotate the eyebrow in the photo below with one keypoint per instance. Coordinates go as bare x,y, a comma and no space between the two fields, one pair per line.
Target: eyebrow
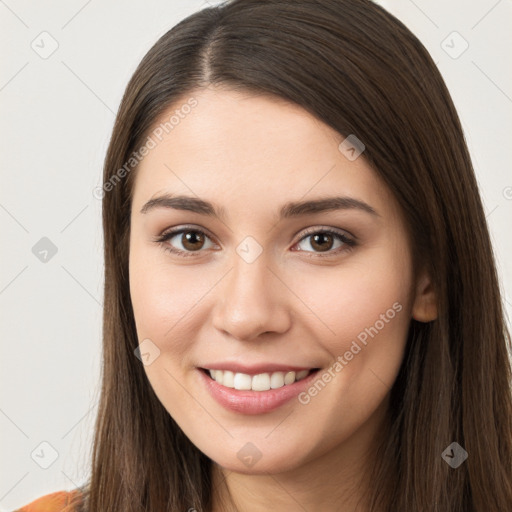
288,210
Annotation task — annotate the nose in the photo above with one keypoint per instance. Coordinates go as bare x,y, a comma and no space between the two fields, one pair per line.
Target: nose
252,301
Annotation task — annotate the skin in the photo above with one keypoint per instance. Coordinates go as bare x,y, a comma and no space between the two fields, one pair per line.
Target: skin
249,154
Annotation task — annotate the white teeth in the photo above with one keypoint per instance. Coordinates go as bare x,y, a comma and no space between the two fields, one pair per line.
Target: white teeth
289,378
241,381
260,382
228,379
277,380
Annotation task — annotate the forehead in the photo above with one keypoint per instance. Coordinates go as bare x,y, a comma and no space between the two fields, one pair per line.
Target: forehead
241,148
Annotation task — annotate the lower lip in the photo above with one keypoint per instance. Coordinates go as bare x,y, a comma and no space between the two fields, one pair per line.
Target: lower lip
254,402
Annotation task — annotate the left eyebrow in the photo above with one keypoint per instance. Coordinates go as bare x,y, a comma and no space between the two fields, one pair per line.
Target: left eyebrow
288,210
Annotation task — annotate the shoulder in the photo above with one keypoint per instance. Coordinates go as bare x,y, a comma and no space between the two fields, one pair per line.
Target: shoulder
54,502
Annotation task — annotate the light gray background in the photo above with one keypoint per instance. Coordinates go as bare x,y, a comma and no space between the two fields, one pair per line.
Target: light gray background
57,115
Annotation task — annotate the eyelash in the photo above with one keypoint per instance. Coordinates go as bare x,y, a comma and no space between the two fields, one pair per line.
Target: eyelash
348,242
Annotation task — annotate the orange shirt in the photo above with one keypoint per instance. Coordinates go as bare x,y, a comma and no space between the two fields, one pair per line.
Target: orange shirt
54,502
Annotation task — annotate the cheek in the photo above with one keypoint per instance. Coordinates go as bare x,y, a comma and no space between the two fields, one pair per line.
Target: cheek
350,298
165,310
364,323
166,299
362,316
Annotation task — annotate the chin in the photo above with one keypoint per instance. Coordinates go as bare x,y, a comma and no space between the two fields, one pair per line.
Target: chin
262,463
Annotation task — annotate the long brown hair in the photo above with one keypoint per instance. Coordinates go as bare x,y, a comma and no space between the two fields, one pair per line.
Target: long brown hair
361,71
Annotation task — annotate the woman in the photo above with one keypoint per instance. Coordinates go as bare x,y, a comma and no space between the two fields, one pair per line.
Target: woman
302,310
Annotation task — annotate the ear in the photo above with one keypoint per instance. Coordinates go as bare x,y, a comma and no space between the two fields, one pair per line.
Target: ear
425,302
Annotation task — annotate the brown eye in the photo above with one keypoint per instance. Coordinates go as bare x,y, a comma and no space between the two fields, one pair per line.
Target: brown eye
188,241
192,240
324,241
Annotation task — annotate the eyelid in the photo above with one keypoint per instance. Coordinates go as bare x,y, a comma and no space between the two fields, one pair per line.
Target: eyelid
185,227
320,228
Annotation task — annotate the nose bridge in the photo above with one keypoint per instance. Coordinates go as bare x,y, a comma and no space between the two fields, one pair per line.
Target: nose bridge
248,278
249,302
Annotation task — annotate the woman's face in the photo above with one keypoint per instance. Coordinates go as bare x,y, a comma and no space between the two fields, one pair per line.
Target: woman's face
264,288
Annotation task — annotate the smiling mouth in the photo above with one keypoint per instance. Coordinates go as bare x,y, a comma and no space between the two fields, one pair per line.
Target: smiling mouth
259,382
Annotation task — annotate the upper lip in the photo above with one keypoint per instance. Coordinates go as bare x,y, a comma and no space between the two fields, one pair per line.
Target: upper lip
254,369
